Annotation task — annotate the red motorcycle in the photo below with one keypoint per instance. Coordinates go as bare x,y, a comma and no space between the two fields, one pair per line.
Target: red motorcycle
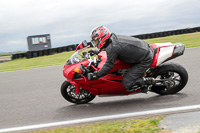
170,78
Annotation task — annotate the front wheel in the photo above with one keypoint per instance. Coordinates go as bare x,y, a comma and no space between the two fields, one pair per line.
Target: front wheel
173,71
68,91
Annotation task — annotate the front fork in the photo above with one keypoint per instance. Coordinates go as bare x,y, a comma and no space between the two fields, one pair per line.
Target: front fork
77,89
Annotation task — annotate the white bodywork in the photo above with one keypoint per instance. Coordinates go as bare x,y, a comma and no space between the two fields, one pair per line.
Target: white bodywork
166,51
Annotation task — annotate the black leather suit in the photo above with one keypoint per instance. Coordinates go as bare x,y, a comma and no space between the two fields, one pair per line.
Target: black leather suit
130,50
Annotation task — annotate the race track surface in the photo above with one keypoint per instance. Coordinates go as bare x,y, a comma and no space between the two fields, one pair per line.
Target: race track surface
29,97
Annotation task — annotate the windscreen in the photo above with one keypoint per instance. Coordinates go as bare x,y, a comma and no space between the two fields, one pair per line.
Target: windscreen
78,56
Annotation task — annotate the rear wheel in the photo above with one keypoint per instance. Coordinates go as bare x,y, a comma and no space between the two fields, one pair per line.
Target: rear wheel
68,91
173,71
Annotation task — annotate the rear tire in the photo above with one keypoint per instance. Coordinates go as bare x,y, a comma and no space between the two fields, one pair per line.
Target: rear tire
68,91
170,69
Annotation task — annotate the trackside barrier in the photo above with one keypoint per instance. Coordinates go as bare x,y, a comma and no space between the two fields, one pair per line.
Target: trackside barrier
167,33
32,54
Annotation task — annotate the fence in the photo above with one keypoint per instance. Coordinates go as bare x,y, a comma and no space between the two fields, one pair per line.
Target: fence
32,54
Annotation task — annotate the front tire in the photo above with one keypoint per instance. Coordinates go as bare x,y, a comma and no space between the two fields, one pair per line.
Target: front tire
68,91
170,70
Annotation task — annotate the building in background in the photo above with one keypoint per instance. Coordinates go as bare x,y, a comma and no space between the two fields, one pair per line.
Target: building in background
39,42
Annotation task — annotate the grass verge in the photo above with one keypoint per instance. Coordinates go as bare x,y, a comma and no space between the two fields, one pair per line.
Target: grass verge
190,40
147,125
21,64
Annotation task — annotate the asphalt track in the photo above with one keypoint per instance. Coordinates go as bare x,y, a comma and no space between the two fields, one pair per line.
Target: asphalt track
30,97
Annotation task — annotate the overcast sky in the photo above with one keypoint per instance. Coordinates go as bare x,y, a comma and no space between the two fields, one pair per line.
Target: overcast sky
70,21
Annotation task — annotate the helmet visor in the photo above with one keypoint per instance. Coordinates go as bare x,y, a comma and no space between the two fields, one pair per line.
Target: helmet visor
95,43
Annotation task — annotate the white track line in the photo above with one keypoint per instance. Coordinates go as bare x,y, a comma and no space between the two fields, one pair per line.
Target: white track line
93,119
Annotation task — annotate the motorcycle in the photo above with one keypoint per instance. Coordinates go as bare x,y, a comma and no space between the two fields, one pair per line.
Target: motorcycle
169,78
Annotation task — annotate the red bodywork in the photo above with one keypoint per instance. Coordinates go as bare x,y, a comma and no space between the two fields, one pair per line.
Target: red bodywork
107,85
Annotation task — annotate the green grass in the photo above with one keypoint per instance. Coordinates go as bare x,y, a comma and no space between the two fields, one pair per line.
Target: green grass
148,125
190,40
20,64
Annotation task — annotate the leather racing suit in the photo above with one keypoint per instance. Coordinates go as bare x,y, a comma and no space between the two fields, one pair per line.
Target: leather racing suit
129,50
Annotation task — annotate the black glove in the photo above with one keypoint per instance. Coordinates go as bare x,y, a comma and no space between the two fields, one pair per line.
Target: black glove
92,76
93,52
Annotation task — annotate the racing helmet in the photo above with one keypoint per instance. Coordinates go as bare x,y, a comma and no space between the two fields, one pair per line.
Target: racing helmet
99,36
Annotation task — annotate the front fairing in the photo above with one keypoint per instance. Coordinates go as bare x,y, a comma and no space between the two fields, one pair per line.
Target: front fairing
75,61
68,70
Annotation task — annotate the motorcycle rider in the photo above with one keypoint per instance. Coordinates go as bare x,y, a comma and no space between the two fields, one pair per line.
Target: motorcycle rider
127,49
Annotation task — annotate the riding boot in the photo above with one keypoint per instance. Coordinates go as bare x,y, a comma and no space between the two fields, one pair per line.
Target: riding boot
137,84
142,84
148,81
135,87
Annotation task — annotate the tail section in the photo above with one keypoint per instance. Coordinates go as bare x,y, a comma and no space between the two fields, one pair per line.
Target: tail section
166,51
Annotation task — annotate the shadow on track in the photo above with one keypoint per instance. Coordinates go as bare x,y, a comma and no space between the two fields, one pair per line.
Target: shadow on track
118,106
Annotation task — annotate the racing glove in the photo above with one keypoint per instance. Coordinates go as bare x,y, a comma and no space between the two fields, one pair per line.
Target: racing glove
93,52
92,76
